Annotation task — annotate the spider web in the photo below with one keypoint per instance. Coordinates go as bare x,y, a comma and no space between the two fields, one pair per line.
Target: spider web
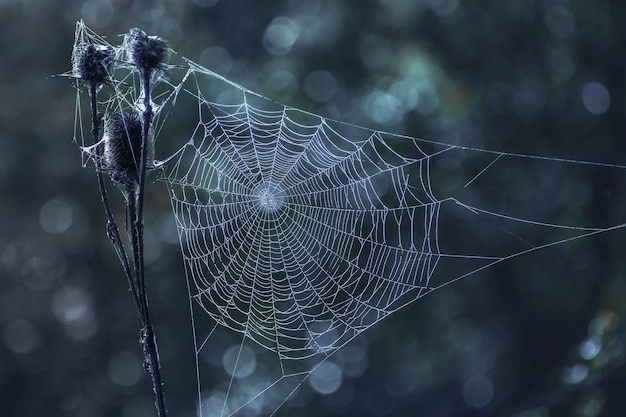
300,232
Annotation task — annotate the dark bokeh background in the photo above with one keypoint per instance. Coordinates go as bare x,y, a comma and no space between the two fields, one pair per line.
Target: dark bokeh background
541,335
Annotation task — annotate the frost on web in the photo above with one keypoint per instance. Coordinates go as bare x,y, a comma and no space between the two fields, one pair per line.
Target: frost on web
299,232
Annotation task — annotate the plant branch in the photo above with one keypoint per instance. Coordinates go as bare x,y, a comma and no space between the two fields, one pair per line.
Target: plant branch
93,64
112,229
135,205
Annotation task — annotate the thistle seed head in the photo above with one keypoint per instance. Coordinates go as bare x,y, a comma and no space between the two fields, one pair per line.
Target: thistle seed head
148,53
92,63
122,147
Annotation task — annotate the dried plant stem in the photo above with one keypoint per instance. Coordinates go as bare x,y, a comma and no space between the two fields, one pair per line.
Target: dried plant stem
112,229
147,339
134,200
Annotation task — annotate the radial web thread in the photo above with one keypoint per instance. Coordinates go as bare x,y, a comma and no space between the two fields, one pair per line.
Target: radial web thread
297,235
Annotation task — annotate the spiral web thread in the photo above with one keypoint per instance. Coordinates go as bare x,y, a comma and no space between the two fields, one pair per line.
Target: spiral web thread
299,232
298,236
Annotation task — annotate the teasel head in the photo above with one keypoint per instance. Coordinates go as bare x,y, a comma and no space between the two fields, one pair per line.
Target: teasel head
147,53
92,63
122,148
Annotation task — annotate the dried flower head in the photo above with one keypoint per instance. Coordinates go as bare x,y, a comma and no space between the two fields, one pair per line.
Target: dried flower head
122,147
92,63
147,53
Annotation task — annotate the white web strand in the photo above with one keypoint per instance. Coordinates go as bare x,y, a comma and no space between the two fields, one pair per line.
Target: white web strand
299,232
312,262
